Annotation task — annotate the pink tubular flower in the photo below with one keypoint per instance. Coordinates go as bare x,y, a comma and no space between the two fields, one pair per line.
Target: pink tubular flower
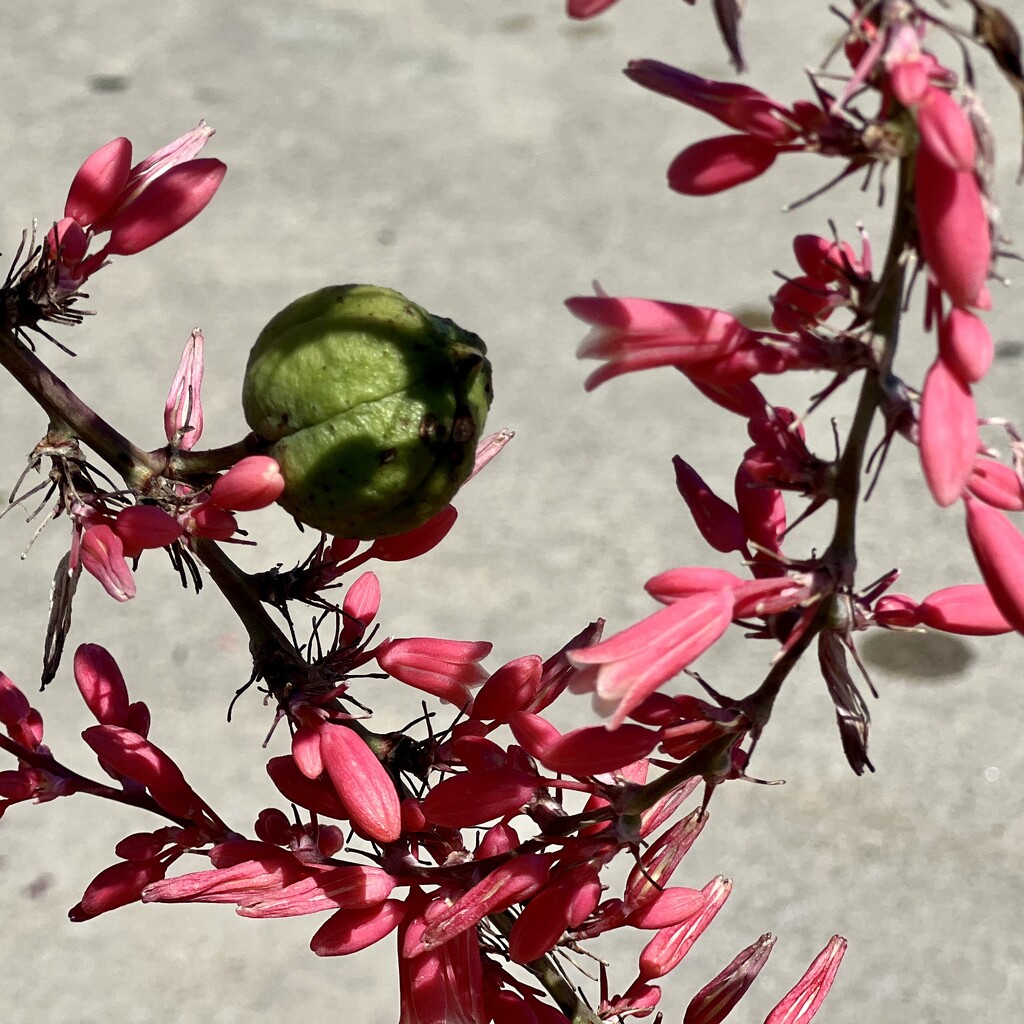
589,750
999,551
639,334
251,483
714,1002
948,433
632,664
509,689
445,668
102,554
443,985
801,1003
514,881
352,886
362,783
101,684
954,231
183,410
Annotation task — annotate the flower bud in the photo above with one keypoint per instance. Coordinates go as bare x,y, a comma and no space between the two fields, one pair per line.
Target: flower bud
373,408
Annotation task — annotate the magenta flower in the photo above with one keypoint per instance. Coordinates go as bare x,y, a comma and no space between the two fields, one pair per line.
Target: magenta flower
251,483
999,551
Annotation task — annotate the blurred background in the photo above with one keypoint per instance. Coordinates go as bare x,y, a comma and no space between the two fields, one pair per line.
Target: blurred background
489,160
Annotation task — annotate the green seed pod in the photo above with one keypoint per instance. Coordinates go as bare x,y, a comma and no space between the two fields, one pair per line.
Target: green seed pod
373,408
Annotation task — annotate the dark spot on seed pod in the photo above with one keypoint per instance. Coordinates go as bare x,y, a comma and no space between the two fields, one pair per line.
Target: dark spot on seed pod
429,427
386,456
463,429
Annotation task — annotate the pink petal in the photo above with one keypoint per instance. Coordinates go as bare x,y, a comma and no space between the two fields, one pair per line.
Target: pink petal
717,164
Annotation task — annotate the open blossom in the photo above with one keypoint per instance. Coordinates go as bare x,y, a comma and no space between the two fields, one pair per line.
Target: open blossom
139,205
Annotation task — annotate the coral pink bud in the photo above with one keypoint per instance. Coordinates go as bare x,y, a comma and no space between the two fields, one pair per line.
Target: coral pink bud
472,798
508,690
896,610
445,668
362,783
361,603
802,301
208,519
117,886
414,543
349,931
534,734
948,433
562,904
586,8
801,1003
713,1003
67,241
997,485
635,662
132,757
102,554
512,882
762,509
945,131
101,684
967,609
823,260
719,523
314,794
183,410
675,584
497,841
165,205
141,527
965,345
251,483
98,182
999,551
953,228
593,750
714,165
668,947
669,907
306,749
355,886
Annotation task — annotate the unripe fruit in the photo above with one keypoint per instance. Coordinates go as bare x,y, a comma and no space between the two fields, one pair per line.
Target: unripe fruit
373,408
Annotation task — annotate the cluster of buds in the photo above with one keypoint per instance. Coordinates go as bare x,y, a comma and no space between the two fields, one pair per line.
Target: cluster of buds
469,850
948,215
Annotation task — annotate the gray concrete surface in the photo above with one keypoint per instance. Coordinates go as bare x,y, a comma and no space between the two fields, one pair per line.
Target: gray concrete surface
489,160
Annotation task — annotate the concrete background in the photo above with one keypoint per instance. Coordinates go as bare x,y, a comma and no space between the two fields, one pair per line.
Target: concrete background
489,160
